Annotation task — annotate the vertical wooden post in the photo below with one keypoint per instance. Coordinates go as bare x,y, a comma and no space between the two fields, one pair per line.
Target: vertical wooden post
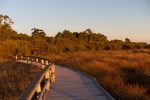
48,86
37,60
53,74
32,60
28,59
21,57
53,68
38,88
53,78
16,58
47,62
42,62
50,72
47,76
43,66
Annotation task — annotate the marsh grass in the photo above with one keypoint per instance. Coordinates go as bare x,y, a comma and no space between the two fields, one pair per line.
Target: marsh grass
124,74
15,78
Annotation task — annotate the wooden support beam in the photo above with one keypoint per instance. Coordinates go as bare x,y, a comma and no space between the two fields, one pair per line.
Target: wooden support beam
37,60
16,58
21,57
31,60
53,73
48,86
42,61
53,69
38,90
28,58
53,78
50,72
47,75
42,66
47,62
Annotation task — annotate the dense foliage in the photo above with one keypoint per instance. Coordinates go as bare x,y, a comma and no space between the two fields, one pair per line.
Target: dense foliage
38,43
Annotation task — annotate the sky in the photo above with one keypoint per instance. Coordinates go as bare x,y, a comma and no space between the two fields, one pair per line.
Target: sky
117,19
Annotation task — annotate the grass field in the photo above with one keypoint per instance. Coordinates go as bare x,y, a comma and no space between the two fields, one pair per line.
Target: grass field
124,74
14,78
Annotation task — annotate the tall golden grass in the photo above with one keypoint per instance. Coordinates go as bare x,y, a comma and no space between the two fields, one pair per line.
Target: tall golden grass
124,74
15,78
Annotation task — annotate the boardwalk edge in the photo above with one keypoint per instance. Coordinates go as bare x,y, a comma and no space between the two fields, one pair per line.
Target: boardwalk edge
94,80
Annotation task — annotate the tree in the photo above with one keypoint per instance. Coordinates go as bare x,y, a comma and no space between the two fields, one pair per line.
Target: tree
37,33
83,36
38,41
116,44
68,34
39,45
89,31
107,47
59,35
6,31
22,36
126,47
147,46
127,40
4,19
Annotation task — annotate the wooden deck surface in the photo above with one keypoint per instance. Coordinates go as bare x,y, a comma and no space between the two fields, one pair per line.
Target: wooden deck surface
72,85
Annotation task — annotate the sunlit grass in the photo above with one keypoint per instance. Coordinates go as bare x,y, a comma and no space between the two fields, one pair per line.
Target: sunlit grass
15,78
124,74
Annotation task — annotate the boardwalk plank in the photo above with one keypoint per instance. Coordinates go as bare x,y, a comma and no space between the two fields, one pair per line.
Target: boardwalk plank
72,85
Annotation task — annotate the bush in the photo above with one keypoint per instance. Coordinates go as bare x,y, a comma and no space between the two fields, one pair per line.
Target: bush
126,47
107,47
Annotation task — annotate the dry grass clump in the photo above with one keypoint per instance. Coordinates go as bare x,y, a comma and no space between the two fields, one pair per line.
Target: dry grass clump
14,78
125,74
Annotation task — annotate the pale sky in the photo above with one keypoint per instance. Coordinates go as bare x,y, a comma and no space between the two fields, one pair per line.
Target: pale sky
117,19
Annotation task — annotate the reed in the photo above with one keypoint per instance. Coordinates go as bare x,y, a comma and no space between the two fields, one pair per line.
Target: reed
124,74
15,78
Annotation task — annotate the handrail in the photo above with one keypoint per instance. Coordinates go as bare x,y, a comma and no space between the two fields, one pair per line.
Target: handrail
42,81
29,58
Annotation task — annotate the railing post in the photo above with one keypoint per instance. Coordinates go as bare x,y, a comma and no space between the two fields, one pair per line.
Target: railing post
28,59
37,60
32,60
38,90
16,58
47,62
50,72
53,68
47,76
53,74
21,57
42,62
48,86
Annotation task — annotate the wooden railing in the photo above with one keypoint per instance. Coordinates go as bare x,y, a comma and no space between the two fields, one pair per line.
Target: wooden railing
42,82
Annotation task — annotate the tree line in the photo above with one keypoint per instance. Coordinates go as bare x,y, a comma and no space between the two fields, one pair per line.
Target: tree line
38,43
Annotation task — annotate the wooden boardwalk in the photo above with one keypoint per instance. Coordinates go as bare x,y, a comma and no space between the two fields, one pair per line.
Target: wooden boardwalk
73,85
